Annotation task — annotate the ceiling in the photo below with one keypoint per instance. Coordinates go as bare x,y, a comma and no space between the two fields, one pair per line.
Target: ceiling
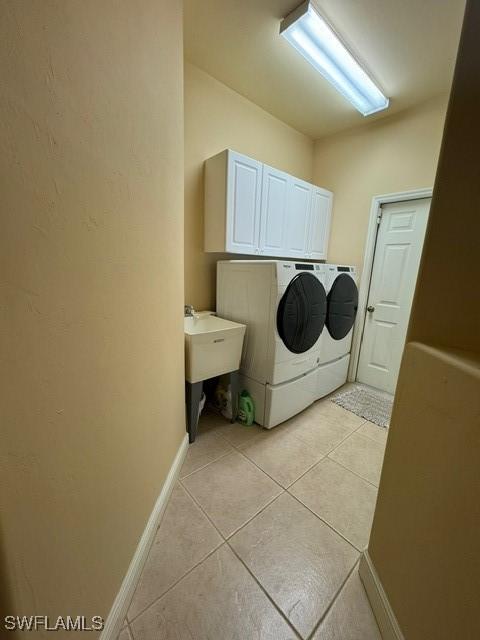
408,46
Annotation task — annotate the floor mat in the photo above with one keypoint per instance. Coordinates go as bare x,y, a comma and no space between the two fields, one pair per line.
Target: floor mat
367,402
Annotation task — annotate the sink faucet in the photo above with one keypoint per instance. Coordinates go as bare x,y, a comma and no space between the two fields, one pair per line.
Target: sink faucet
189,310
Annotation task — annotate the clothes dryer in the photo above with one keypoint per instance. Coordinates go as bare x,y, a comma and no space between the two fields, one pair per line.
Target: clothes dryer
336,340
284,305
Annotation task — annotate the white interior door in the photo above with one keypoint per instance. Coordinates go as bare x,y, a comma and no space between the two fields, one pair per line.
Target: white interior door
395,267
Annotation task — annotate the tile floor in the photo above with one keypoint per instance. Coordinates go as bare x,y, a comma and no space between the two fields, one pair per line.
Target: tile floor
263,533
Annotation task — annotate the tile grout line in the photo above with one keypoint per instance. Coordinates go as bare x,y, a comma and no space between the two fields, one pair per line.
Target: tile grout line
364,435
142,611
354,472
222,455
284,490
305,472
338,443
330,526
237,447
226,538
265,592
337,593
223,426
204,512
369,438
349,573
244,455
325,455
240,450
192,568
257,514
385,429
272,478
225,541
332,422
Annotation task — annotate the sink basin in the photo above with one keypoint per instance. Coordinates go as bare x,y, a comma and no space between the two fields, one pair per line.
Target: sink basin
213,346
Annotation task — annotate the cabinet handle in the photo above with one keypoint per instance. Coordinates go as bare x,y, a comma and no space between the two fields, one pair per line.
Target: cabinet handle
370,309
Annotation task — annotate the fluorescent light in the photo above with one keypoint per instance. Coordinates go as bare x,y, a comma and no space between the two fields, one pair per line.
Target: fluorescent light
311,36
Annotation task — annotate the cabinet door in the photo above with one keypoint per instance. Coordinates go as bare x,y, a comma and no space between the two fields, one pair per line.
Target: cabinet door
320,223
273,217
299,202
244,187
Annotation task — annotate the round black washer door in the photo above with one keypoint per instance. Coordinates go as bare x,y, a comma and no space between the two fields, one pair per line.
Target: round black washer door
301,313
342,306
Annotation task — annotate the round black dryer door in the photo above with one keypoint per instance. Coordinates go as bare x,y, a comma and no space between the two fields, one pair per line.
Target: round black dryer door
342,302
301,313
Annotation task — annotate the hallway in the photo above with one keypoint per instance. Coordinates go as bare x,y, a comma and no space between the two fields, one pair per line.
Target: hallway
263,533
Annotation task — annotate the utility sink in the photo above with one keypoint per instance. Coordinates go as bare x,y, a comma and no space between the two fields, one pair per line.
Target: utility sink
213,346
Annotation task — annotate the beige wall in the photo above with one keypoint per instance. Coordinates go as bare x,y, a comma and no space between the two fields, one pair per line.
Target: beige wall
424,540
216,118
393,154
426,530
397,153
92,222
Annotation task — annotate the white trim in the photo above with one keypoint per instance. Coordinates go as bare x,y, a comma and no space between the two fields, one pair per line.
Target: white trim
368,255
116,617
386,620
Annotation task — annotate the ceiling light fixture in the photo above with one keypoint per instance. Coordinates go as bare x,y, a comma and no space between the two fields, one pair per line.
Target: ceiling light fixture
309,33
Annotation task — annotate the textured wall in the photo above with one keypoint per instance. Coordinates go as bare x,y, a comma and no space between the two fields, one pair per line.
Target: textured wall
426,529
217,118
394,154
91,135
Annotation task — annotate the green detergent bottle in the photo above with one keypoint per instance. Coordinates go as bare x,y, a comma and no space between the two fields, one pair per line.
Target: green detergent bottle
246,409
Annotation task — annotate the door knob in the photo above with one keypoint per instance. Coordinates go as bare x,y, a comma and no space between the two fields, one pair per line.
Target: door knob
370,309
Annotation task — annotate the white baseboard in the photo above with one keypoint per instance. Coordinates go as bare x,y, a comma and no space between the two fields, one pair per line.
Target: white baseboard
116,617
386,620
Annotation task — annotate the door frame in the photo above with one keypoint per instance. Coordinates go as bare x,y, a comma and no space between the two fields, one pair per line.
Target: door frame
368,257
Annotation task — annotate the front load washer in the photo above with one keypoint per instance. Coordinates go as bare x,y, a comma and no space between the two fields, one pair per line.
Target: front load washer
284,306
336,340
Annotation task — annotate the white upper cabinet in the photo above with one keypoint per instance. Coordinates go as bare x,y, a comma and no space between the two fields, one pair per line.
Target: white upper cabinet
275,186
319,231
299,203
233,197
244,196
254,209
